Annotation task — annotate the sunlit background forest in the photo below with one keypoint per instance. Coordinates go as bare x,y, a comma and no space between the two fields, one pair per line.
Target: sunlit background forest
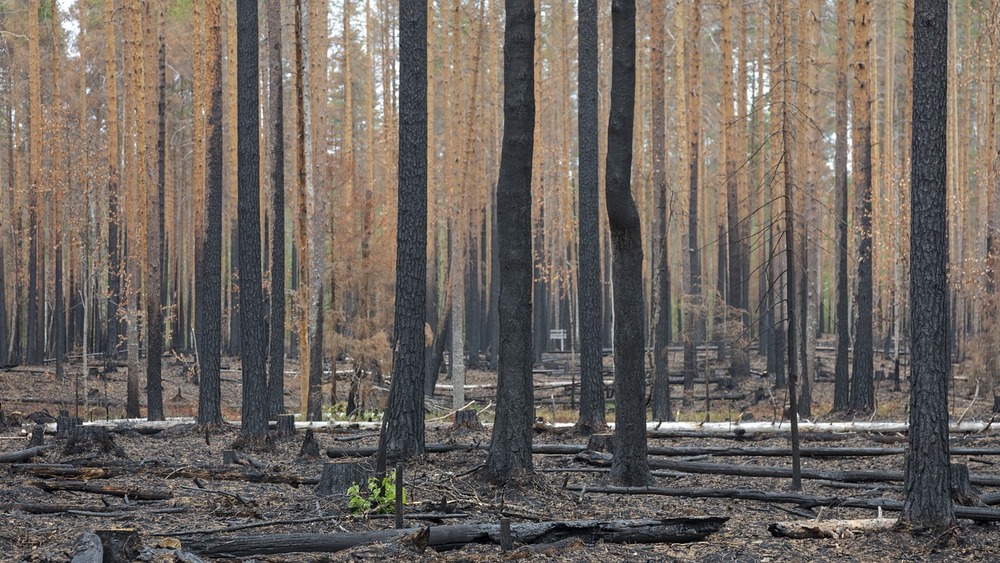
102,162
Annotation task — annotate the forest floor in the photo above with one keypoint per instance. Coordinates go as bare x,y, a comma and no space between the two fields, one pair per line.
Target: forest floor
208,500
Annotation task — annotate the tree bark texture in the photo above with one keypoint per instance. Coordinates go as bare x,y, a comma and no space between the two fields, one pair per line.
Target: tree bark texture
255,404
403,435
510,445
695,318
154,245
862,377
34,354
928,504
443,538
842,382
589,275
210,286
661,268
276,338
630,466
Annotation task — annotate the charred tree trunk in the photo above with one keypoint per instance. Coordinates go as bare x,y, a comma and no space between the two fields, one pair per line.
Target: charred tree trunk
661,269
403,432
255,403
630,466
928,504
210,287
510,446
276,339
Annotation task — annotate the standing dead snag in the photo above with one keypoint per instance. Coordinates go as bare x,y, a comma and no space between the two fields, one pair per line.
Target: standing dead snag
928,503
630,466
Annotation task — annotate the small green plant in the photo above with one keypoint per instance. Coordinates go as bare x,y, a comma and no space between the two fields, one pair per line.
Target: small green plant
379,499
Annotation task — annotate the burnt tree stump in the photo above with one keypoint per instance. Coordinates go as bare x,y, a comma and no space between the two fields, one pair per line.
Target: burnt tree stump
600,443
285,425
962,491
37,435
85,439
64,423
310,446
466,421
338,477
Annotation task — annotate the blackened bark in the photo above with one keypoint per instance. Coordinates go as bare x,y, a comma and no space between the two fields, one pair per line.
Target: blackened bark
276,341
661,269
403,422
510,445
3,311
209,291
540,305
862,380
841,385
928,504
314,410
435,355
34,354
589,275
630,466
59,314
696,323
255,404
154,250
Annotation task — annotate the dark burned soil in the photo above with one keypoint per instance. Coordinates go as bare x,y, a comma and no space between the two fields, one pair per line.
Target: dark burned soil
273,492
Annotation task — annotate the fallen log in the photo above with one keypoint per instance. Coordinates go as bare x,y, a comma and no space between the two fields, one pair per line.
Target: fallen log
847,476
976,513
23,455
653,429
102,511
668,530
366,451
102,489
836,529
92,470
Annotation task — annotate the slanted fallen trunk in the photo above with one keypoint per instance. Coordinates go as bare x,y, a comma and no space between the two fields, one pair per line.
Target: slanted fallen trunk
22,455
846,476
667,530
976,513
836,529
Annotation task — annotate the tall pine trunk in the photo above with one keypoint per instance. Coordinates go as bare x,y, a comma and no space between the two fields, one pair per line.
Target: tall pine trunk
209,329
862,380
841,386
928,504
661,268
403,427
276,340
255,404
510,445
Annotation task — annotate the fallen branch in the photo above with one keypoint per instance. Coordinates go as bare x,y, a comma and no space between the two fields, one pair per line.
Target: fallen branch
979,514
848,476
451,537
